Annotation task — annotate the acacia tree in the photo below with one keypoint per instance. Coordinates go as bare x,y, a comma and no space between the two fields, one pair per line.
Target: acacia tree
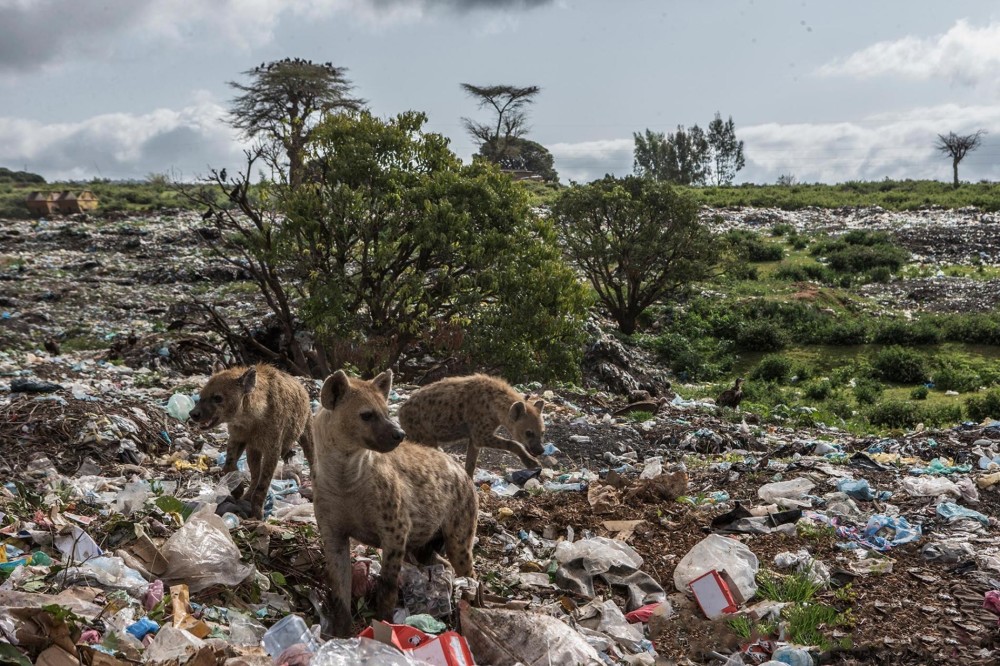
637,241
283,101
727,152
957,146
501,140
681,157
398,239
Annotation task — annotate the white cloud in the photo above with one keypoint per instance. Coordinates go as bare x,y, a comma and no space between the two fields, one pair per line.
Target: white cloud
184,142
964,54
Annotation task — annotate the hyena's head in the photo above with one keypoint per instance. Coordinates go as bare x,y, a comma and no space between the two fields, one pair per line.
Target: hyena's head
221,400
359,413
524,421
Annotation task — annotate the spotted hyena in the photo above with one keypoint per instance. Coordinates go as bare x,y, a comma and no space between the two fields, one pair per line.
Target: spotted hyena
266,412
373,486
472,408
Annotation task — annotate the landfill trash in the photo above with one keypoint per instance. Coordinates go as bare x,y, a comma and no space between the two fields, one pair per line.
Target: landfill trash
940,466
33,386
179,406
426,623
448,649
792,656
988,480
645,612
606,618
716,594
359,652
930,486
952,512
603,498
741,520
76,545
107,572
899,529
803,562
174,645
991,602
143,626
499,636
613,561
860,490
286,632
652,468
722,554
787,494
201,553
949,552
426,590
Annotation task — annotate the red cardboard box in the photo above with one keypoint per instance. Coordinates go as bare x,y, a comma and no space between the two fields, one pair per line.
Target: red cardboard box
713,595
448,649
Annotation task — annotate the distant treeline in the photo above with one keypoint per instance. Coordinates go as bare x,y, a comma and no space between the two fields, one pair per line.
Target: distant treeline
26,177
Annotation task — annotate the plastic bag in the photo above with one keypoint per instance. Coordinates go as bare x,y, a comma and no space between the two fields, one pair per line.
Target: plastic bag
498,636
172,644
603,553
719,553
609,620
802,561
787,494
930,486
109,573
360,652
179,406
952,512
426,589
201,554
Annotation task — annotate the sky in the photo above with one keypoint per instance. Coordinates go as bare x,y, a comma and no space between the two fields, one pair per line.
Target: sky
819,90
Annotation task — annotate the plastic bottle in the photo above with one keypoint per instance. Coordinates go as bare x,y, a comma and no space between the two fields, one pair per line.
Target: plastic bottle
793,656
231,520
288,631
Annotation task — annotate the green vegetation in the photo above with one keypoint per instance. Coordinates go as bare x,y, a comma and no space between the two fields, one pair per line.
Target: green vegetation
889,194
154,195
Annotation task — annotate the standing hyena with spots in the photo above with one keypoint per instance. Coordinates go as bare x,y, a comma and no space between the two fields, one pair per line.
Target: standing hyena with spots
372,486
266,412
472,408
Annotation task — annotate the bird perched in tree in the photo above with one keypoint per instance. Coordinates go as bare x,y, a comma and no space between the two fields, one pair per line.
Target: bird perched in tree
731,397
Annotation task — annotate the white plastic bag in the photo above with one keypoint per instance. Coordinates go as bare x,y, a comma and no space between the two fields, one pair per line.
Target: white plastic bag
202,554
787,494
361,652
719,553
501,637
930,486
604,553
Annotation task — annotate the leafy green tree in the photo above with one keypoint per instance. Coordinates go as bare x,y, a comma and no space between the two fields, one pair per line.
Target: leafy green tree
727,152
681,157
283,101
519,154
637,241
398,239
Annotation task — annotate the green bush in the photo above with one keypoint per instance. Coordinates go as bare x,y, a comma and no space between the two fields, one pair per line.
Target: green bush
841,333
919,393
688,361
804,273
900,365
941,415
782,229
861,252
953,377
867,391
838,407
748,246
761,335
772,368
819,390
893,414
899,332
984,406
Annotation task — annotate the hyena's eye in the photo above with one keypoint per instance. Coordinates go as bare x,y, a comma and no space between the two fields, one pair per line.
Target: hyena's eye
529,433
367,416
217,399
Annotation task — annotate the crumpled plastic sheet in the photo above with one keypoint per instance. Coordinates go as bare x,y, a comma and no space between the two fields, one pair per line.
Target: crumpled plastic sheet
952,512
109,573
869,537
613,561
859,489
940,466
500,636
992,603
202,554
719,553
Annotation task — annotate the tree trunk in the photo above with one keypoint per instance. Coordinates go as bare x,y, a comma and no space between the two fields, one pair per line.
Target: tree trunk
954,166
626,322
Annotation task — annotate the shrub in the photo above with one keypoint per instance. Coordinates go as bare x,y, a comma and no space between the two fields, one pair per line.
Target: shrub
820,390
953,377
899,332
900,365
893,414
919,393
984,406
839,408
761,335
782,229
861,252
941,415
842,333
772,368
867,391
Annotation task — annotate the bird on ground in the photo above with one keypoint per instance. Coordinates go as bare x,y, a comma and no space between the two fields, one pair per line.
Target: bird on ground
731,397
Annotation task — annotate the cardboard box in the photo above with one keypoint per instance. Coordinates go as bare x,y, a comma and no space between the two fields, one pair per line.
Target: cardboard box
448,649
714,595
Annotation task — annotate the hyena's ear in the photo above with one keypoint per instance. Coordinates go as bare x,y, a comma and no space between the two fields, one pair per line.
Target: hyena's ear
217,367
516,411
248,380
539,404
384,383
334,388
527,397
